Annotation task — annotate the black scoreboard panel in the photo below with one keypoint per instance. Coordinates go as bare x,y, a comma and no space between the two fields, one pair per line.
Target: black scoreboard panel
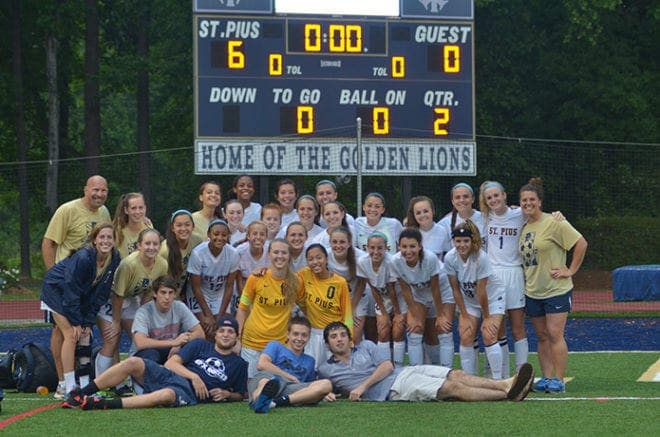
269,76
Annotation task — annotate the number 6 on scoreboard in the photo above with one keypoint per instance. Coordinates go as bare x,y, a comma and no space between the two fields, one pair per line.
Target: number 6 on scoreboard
441,121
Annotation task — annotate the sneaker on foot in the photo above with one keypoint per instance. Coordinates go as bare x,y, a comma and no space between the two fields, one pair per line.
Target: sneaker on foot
60,392
94,403
522,383
74,399
262,404
541,385
555,385
124,391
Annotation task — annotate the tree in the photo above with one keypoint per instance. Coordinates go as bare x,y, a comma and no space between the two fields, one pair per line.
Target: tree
92,98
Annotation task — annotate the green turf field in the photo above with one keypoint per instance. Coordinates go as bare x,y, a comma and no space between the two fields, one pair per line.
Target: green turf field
603,398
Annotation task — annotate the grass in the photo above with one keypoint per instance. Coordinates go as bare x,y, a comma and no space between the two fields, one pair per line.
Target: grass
597,376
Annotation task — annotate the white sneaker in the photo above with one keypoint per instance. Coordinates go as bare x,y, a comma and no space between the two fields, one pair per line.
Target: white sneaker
60,393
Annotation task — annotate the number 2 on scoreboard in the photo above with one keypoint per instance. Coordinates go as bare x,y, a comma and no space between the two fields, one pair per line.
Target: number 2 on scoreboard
441,121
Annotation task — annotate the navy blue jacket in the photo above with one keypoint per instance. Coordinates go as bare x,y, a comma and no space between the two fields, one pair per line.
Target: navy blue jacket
67,288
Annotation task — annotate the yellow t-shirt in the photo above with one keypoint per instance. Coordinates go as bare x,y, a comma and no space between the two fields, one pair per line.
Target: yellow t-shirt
269,311
543,246
326,300
130,241
71,225
201,225
132,279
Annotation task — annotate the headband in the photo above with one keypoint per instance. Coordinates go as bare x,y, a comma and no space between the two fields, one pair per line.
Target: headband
464,185
217,222
179,212
325,182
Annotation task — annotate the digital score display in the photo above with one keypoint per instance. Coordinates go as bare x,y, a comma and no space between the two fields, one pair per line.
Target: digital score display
269,76
280,93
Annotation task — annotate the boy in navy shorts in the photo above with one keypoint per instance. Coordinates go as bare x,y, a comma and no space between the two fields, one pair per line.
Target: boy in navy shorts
200,372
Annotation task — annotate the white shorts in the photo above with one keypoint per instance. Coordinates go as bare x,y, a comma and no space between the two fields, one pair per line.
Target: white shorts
419,383
495,306
513,279
389,308
447,295
426,299
362,308
213,303
252,358
317,348
128,309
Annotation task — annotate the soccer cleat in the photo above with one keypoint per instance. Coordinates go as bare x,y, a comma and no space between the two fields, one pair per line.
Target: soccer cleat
555,385
262,404
522,383
124,392
60,392
541,385
94,403
75,399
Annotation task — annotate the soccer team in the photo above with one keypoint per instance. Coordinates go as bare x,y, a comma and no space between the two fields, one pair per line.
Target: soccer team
296,301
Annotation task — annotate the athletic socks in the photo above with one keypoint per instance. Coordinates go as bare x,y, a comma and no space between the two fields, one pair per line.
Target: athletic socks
398,352
446,349
102,364
504,344
415,349
521,349
69,380
467,359
433,351
494,358
383,348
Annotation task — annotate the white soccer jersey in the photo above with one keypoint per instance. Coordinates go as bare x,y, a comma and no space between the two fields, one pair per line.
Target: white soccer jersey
389,226
379,279
435,239
251,213
323,238
469,272
503,232
350,220
247,264
343,269
419,276
445,222
289,217
214,272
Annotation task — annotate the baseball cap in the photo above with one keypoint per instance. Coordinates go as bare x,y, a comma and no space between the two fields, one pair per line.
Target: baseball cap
227,321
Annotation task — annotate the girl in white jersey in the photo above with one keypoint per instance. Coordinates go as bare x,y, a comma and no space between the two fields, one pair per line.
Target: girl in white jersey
342,260
308,211
479,295
420,215
334,214
296,235
462,199
503,225
233,213
421,279
253,255
243,190
373,220
375,270
213,269
286,194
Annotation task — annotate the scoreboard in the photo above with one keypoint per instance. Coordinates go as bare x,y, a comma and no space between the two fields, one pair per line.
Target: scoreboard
289,86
